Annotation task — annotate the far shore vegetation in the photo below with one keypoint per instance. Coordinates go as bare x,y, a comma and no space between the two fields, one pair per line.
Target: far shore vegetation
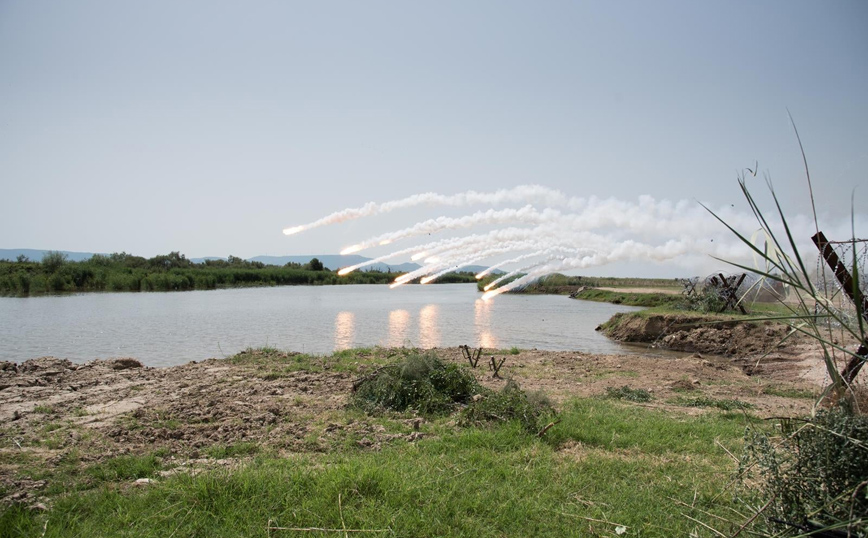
173,272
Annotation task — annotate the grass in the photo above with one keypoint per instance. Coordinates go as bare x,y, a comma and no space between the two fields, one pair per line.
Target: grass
604,465
647,300
272,363
631,395
705,401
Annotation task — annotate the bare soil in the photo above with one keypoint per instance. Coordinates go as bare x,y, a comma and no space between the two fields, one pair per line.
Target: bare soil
54,413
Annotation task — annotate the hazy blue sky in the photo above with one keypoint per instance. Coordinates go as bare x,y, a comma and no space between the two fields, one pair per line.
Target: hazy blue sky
207,127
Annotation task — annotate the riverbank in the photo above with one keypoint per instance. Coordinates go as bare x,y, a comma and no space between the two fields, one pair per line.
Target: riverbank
58,418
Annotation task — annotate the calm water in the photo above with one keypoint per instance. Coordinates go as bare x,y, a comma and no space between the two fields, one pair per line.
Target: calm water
163,329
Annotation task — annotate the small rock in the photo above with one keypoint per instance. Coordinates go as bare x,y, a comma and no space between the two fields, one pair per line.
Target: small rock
38,507
142,481
477,397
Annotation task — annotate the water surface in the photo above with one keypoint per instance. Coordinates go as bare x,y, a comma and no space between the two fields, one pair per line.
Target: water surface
163,329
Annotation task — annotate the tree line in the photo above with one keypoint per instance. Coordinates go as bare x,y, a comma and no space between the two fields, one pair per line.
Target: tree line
167,272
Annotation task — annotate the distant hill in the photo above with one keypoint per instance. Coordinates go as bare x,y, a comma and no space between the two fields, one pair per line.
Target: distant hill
332,261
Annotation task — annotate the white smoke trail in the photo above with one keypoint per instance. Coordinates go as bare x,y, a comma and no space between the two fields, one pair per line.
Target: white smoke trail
627,250
567,233
520,194
525,215
646,218
527,267
464,258
523,257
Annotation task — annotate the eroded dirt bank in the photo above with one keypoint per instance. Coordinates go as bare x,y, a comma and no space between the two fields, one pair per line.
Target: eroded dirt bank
760,348
55,414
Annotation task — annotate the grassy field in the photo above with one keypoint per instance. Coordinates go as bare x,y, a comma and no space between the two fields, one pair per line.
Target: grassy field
608,468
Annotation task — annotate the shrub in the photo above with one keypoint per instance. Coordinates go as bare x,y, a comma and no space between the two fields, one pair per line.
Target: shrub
706,301
817,478
422,382
626,393
510,403
53,260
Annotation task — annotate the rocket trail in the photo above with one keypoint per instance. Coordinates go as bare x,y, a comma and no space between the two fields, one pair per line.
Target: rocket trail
550,232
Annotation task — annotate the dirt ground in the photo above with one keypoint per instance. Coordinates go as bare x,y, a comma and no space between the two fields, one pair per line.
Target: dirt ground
54,412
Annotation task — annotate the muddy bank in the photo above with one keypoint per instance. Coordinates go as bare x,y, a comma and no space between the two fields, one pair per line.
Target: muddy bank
759,348
702,334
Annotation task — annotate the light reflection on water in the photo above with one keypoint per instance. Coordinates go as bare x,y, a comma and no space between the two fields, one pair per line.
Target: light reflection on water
482,322
345,330
399,324
162,329
429,329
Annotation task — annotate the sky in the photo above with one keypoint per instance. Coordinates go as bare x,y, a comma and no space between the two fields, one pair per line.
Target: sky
209,127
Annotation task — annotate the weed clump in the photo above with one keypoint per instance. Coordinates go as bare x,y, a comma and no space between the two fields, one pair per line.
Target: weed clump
816,479
422,382
507,404
631,395
707,301
704,401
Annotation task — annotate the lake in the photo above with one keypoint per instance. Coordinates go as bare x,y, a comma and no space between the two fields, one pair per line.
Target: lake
164,329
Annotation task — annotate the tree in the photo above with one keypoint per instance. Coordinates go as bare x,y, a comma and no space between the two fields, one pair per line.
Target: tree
53,260
22,258
315,265
172,260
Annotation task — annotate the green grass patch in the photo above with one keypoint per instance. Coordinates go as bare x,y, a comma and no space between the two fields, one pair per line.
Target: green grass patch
631,395
705,401
273,363
531,410
125,468
44,409
604,465
647,300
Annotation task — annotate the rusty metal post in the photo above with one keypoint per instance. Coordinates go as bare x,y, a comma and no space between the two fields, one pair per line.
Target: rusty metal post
852,290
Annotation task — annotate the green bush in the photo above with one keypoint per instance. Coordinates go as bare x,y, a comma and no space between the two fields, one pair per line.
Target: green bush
626,393
510,403
817,478
706,301
421,382
53,260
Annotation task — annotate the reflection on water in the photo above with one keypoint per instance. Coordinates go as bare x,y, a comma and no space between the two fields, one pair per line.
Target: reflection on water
429,329
482,323
345,330
399,323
